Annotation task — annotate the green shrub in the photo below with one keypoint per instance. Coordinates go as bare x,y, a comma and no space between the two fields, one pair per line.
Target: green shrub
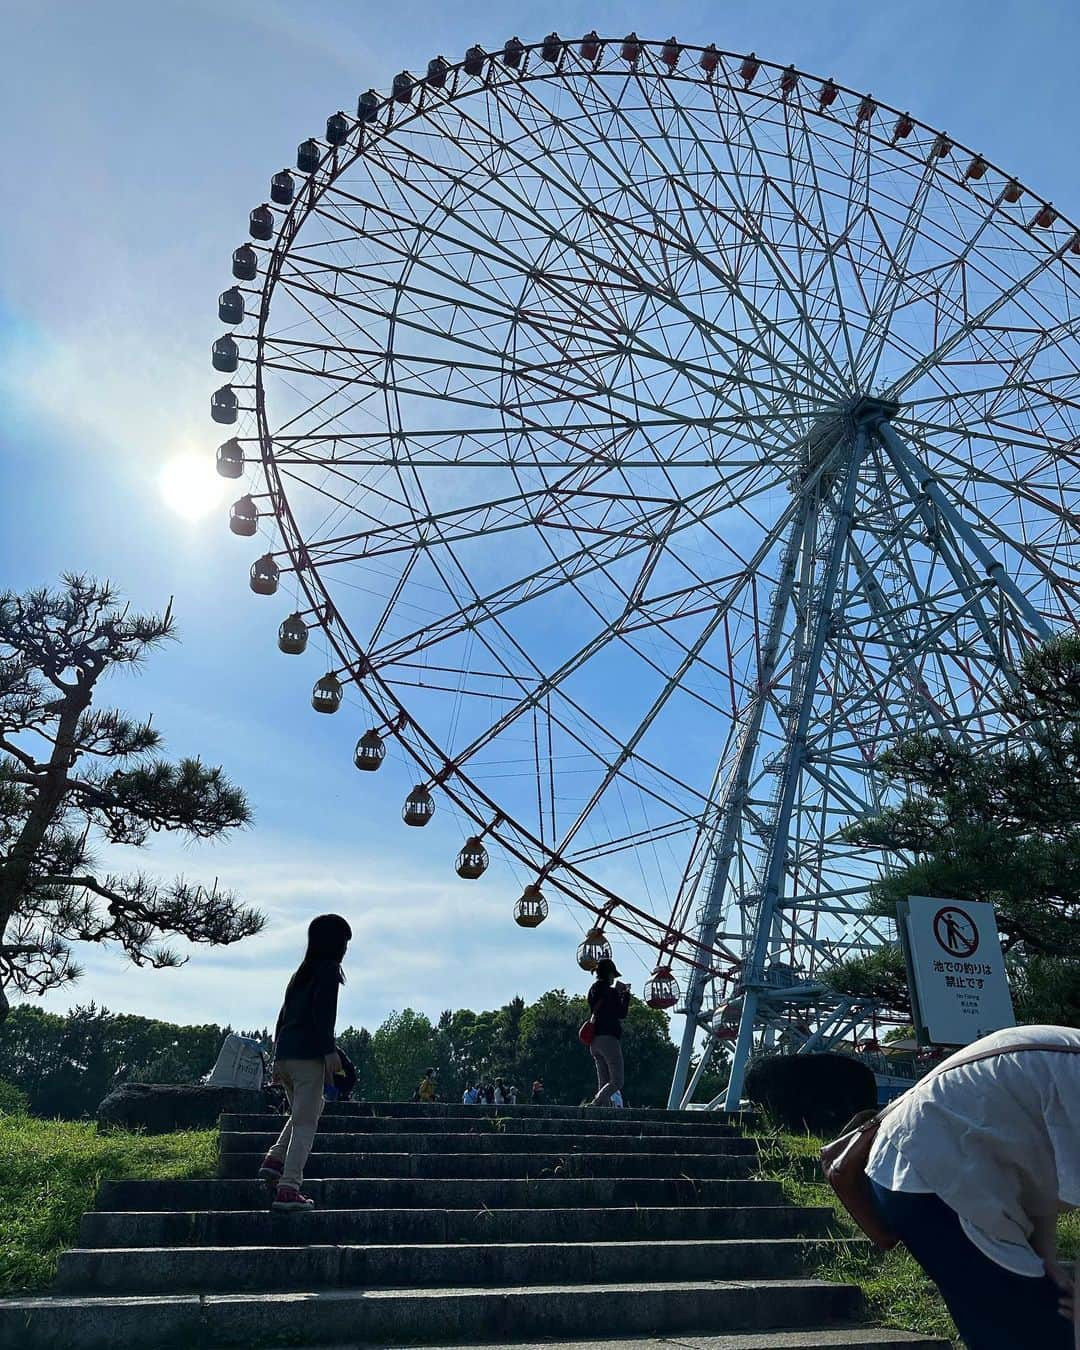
819,1093
13,1101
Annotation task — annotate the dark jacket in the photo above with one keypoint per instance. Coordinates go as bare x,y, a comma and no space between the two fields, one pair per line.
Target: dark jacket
305,1025
608,1006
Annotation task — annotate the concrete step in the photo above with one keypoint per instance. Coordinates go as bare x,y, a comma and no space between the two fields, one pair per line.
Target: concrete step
418,1316
574,1114
456,1166
813,1338
158,1270
262,1228
259,1140
612,1123
471,1193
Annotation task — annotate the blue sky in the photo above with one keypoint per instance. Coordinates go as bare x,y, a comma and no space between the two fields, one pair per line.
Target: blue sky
136,138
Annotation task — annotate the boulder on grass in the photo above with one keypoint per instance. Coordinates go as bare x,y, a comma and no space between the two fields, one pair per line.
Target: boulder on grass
819,1093
159,1108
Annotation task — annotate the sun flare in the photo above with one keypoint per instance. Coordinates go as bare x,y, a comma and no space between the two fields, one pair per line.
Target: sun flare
190,487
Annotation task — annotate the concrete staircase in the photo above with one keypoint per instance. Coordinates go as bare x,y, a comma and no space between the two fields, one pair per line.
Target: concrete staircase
441,1225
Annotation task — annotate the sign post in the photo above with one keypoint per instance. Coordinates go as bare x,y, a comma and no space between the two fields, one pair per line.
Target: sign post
956,970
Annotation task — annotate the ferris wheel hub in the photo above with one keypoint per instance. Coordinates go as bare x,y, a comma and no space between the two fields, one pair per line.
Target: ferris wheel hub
837,428
868,410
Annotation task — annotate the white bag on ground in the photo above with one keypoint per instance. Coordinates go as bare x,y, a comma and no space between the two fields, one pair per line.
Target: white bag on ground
239,1064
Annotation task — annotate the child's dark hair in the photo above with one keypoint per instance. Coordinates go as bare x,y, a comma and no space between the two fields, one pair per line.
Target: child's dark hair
327,937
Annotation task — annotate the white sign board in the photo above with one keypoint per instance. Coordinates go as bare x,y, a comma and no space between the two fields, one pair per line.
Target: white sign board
959,968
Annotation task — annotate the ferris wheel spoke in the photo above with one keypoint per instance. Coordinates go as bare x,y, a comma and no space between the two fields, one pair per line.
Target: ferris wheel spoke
1020,371
546,277
626,185
821,230
628,749
587,559
949,344
879,320
1035,494
705,377
671,829
477,520
638,285
1007,384
781,269
685,242
758,421
604,636
965,255
587,741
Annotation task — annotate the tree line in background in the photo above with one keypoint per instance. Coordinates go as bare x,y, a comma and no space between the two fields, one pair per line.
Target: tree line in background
67,1064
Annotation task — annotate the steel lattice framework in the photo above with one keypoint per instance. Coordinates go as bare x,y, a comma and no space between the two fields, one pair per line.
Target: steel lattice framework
655,435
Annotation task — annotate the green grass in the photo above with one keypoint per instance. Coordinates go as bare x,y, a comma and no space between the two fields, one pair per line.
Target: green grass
49,1174
897,1292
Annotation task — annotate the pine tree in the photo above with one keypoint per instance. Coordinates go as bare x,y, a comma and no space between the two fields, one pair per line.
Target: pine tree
1000,823
75,779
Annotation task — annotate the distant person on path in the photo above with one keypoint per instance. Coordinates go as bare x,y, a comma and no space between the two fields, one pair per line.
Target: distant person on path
500,1093
971,1171
511,1095
305,1058
488,1095
609,1004
537,1097
427,1092
471,1096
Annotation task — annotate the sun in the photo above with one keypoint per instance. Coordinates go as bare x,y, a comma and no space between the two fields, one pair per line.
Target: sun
190,487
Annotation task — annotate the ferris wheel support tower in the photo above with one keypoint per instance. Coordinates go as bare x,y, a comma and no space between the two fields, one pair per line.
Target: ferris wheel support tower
978,575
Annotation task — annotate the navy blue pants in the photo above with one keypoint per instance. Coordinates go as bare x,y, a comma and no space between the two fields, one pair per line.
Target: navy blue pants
993,1309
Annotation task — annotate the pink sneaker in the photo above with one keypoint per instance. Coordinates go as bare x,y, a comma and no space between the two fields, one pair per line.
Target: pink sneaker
288,1200
271,1169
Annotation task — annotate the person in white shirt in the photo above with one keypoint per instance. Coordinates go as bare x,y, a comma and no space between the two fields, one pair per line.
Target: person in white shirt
500,1093
971,1169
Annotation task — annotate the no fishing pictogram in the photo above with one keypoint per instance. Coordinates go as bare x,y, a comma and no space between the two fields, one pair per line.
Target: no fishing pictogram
956,932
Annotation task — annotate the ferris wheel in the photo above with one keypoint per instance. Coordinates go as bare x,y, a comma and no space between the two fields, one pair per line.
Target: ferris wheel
651,435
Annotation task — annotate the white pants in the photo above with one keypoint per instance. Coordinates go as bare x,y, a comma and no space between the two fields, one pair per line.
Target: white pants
607,1055
303,1081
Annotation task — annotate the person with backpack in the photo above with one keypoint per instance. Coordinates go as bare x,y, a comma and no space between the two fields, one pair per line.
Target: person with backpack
970,1169
305,1056
608,1003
